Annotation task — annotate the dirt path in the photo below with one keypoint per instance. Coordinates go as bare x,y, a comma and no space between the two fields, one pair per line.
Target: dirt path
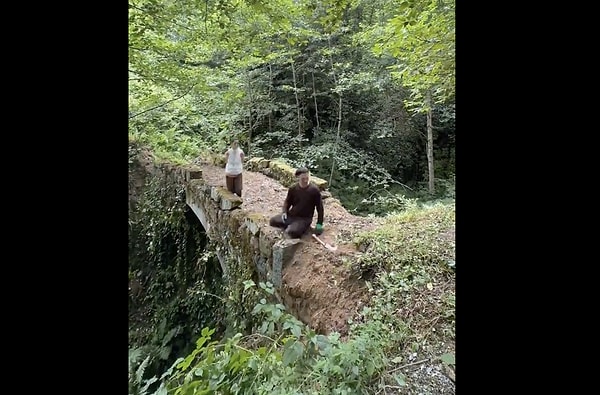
319,288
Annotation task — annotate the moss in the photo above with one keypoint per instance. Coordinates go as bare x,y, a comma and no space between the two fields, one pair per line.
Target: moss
253,164
240,266
168,254
283,172
257,217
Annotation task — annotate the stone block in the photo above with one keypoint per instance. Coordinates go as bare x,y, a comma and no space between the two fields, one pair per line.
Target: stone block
193,173
229,201
266,239
252,163
264,163
283,252
254,243
319,182
283,172
286,175
261,267
215,193
253,222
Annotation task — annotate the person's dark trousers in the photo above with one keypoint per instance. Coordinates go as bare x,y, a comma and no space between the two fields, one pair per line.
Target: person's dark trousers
294,226
234,184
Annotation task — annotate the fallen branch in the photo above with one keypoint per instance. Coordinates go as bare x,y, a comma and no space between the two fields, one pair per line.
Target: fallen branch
409,364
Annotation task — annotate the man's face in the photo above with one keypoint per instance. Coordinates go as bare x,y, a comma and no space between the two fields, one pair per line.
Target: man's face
303,179
234,144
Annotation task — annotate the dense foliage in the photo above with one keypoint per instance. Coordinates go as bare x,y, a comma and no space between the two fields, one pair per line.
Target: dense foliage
175,281
342,87
412,308
362,93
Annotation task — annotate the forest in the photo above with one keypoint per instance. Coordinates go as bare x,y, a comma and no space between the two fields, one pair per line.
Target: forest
360,92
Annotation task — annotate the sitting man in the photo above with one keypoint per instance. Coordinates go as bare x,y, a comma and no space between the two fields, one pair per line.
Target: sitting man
299,207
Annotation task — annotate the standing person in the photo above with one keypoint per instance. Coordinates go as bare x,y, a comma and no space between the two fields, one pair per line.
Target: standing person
299,207
234,168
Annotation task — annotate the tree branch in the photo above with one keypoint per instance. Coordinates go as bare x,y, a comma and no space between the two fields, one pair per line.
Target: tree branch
145,77
163,104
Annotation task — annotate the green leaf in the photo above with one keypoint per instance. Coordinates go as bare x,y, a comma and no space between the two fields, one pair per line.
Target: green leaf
164,353
162,390
207,332
447,358
148,383
170,370
263,327
183,365
134,355
370,369
400,379
293,327
292,351
248,284
200,342
252,364
296,330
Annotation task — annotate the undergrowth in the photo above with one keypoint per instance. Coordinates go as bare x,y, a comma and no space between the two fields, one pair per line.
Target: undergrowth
410,265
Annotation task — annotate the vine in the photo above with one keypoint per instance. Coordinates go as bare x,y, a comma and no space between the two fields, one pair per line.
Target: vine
176,285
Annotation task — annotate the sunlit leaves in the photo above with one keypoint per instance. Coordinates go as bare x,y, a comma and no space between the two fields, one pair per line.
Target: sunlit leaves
419,35
424,44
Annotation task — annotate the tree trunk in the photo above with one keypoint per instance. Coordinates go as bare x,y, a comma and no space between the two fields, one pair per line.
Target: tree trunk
339,125
430,145
249,116
270,98
316,107
297,101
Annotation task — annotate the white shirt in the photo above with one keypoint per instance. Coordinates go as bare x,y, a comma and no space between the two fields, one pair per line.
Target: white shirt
234,162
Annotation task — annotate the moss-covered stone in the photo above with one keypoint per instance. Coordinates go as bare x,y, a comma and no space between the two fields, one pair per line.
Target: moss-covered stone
193,172
319,182
283,172
217,160
254,222
229,201
268,236
264,163
257,163
215,193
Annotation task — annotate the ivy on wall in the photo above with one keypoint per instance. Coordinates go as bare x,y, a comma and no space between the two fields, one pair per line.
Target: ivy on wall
175,282
177,286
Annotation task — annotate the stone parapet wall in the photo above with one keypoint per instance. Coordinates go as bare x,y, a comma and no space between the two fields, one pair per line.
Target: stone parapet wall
280,171
239,236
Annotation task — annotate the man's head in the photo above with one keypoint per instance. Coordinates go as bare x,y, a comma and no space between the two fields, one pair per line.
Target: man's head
302,175
234,143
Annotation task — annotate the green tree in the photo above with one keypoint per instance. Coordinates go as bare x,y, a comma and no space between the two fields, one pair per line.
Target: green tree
422,39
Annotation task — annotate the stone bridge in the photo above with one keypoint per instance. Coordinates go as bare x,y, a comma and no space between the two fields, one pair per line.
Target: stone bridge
239,234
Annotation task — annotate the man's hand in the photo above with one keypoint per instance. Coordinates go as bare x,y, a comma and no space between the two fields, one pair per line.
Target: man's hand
319,229
284,217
